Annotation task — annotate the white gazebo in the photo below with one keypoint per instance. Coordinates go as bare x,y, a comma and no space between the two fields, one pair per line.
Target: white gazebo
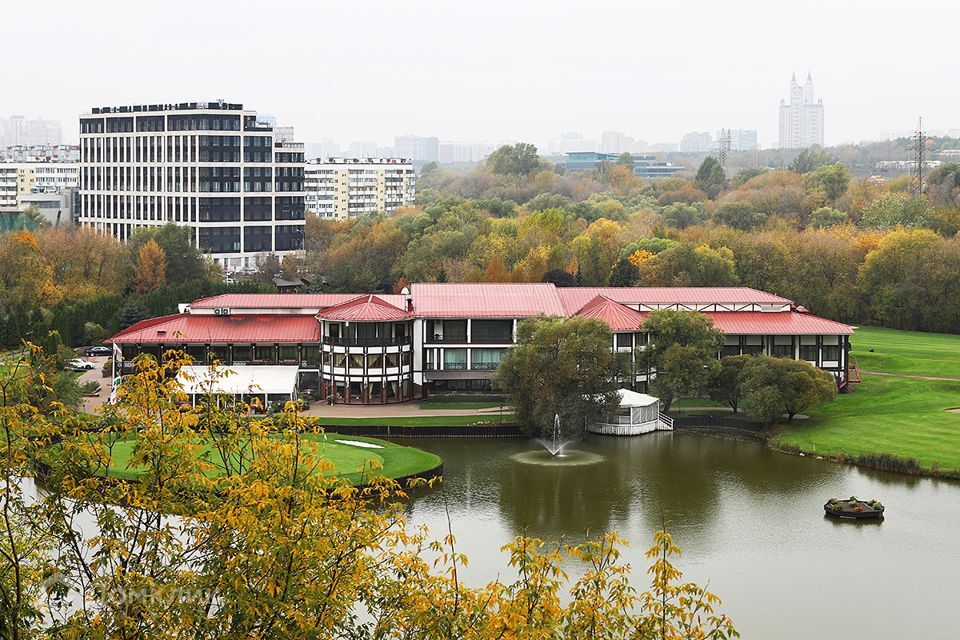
638,413
271,383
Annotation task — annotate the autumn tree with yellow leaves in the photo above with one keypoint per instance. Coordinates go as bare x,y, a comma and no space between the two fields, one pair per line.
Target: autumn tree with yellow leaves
261,540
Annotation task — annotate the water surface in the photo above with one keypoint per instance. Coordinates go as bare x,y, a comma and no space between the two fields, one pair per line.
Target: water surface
749,520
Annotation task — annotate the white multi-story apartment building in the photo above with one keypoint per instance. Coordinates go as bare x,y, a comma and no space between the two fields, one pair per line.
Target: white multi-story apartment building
801,120
17,130
8,187
696,142
341,188
213,167
740,139
41,153
451,152
418,148
22,183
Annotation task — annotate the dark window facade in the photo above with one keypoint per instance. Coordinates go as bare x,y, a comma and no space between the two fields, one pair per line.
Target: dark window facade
290,208
204,122
91,125
149,123
289,237
257,209
257,239
219,149
219,209
219,179
220,239
257,179
120,125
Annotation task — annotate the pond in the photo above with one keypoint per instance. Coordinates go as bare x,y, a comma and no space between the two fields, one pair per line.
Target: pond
749,520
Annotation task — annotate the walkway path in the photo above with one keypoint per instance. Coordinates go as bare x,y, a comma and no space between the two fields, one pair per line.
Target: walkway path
911,375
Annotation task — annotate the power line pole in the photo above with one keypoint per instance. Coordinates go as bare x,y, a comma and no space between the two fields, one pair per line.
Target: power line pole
919,149
723,147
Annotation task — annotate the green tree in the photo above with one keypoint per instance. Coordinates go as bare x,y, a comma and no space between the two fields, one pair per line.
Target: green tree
710,177
560,278
681,216
684,347
130,314
686,265
809,159
897,209
626,160
739,215
727,385
560,367
943,185
623,274
803,385
517,160
827,217
826,183
772,387
746,175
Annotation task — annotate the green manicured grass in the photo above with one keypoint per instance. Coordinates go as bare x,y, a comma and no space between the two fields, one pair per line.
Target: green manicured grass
348,460
899,416
911,352
419,421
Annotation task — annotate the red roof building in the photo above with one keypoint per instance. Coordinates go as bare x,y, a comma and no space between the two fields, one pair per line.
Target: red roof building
450,337
619,317
367,308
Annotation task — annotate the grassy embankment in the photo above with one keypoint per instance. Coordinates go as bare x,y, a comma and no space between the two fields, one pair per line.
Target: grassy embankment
894,416
349,461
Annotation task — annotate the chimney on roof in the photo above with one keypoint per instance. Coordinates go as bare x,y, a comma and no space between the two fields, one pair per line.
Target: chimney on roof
410,305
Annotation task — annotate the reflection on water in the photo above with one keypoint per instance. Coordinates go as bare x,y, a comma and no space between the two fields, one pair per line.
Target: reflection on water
749,520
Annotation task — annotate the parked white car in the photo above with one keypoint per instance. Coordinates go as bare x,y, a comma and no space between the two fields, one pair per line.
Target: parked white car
79,364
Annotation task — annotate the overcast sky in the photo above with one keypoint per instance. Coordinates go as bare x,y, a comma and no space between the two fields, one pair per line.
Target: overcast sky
492,70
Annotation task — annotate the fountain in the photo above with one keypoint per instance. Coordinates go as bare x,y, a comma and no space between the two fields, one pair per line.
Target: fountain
556,444
554,451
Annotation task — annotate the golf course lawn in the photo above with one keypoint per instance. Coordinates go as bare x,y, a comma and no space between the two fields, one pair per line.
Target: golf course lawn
904,417
349,460
911,352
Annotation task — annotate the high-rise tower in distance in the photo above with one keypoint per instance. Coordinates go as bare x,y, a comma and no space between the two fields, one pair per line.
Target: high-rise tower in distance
801,119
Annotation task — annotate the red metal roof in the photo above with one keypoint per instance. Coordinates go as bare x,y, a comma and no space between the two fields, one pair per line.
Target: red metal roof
186,328
573,298
367,308
776,322
485,300
620,318
284,300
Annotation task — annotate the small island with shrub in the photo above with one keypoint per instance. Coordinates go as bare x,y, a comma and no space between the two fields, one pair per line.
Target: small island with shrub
854,508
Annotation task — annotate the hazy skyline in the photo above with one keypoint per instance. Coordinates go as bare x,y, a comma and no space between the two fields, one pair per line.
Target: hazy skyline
497,71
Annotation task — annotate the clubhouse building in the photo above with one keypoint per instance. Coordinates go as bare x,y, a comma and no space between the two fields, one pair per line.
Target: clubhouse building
440,337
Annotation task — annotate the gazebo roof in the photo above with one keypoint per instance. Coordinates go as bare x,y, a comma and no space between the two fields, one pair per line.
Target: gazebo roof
633,399
619,317
368,308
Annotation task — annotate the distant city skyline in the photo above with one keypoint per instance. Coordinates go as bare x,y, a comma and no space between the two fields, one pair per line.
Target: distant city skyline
527,78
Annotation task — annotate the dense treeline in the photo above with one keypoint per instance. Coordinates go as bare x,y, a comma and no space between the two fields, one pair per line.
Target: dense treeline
861,251
86,285
857,250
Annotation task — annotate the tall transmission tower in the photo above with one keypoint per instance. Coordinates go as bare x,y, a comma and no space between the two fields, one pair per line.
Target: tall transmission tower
723,147
919,148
